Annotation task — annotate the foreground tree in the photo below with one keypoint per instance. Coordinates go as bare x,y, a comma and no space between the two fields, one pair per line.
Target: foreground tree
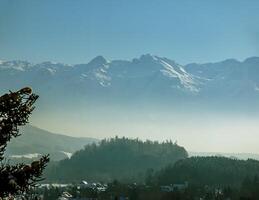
15,109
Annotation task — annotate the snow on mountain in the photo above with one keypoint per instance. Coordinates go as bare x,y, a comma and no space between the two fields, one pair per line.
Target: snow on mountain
100,67
95,70
102,77
148,66
17,65
147,73
177,71
229,77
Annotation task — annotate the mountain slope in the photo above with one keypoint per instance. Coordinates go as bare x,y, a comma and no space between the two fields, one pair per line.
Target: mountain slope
229,77
35,141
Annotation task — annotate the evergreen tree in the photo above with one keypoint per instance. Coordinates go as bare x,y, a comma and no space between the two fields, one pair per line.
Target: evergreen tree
15,109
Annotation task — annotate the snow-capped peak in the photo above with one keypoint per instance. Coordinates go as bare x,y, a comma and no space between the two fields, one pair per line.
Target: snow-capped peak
95,70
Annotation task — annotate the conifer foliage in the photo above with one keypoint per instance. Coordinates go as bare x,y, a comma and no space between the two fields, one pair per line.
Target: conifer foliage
15,109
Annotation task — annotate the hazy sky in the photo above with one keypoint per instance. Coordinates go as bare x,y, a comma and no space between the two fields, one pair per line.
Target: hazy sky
203,131
74,31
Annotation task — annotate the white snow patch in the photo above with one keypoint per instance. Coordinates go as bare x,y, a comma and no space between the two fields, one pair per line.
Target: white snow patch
51,71
256,88
29,155
103,70
84,75
68,154
55,185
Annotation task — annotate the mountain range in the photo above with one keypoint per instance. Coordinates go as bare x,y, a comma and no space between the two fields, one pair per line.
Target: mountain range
147,76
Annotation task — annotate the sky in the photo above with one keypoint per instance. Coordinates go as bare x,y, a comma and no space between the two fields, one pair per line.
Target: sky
75,31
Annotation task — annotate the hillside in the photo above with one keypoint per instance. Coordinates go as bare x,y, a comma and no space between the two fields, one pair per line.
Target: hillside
34,141
118,158
213,171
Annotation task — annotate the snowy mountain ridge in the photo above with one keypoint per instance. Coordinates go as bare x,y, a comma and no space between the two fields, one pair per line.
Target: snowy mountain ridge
154,74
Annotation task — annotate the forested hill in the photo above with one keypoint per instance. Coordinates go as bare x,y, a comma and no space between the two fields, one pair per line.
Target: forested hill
217,171
117,158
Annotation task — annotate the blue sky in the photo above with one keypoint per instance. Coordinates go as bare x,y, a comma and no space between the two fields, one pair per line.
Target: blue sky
75,31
